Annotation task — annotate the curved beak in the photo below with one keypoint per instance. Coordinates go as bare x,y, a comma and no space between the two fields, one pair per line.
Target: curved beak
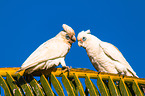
79,43
73,39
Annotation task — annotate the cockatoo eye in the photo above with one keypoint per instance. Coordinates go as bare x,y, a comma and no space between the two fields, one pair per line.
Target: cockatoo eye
67,37
84,38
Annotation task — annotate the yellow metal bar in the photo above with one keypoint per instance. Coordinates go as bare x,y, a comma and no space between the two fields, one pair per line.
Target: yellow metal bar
123,88
79,85
25,86
35,86
91,87
57,85
15,89
10,71
46,86
102,87
113,88
73,84
124,82
68,86
79,72
4,85
136,89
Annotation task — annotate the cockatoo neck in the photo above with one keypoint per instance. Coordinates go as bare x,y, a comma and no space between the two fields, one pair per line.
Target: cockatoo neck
58,35
93,43
62,38
96,39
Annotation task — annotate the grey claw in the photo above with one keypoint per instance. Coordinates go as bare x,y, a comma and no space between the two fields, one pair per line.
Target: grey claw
66,68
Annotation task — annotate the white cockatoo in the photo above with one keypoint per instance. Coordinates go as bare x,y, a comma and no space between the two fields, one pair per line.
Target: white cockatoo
51,53
104,56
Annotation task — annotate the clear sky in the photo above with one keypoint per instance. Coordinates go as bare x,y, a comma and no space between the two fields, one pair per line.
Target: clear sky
25,24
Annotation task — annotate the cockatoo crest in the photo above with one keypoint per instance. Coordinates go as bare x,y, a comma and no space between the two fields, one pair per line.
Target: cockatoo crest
83,33
84,38
68,29
70,36
88,31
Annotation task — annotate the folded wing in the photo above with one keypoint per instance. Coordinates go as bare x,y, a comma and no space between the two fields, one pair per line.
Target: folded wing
113,53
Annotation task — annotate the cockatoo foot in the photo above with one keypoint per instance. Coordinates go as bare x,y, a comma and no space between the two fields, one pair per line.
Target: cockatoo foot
122,74
99,72
66,68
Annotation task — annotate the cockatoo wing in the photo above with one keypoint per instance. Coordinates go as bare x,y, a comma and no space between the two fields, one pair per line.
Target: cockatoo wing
49,50
113,53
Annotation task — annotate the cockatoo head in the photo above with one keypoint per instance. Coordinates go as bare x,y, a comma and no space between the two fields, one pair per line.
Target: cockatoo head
68,34
84,38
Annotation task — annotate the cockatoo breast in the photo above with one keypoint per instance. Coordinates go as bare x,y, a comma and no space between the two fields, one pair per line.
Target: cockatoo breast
98,58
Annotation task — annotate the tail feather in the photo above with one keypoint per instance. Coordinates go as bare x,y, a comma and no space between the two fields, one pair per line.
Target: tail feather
18,70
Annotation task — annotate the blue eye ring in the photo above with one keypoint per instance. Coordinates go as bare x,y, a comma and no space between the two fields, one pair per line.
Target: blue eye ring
67,37
84,38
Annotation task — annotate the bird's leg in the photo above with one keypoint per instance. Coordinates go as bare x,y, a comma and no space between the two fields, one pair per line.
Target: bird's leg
66,68
119,74
99,72
122,73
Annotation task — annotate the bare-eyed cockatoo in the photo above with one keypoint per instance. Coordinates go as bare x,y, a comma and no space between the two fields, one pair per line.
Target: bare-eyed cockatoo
51,53
104,56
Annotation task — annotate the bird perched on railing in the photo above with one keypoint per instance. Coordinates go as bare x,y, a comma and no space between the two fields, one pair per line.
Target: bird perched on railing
51,53
104,56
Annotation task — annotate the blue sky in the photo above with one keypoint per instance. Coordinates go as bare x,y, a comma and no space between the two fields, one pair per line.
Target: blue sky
25,24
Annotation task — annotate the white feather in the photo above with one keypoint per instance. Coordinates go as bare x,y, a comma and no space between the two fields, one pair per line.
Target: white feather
104,56
50,53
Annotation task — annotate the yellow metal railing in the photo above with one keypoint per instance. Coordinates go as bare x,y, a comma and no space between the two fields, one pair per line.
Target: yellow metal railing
105,84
